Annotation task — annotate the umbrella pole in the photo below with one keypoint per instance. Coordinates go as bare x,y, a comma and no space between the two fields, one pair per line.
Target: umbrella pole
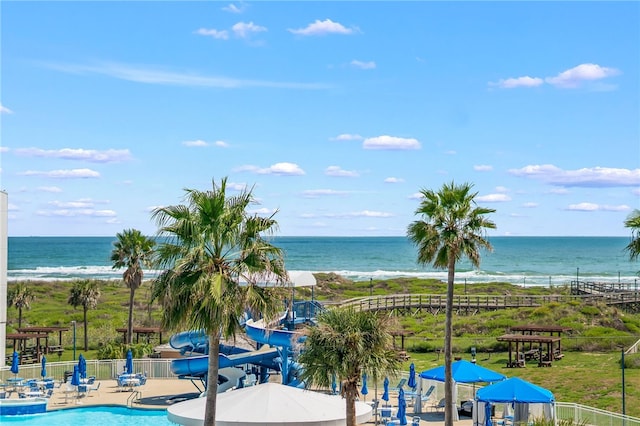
375,415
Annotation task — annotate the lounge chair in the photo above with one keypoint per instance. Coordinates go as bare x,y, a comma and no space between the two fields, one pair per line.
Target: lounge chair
440,405
415,421
424,398
49,393
95,388
400,384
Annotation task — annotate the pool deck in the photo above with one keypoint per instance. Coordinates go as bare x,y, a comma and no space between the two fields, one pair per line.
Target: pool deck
161,393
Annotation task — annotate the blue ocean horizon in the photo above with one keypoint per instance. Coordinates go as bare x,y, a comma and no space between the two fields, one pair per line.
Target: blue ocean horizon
519,260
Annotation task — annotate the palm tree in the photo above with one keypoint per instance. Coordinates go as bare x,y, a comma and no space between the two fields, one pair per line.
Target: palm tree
210,245
633,222
132,251
85,293
345,344
452,226
21,297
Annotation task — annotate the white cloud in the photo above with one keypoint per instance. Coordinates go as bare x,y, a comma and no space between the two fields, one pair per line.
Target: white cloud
363,65
77,212
72,204
635,191
64,174
451,152
91,155
482,168
221,144
416,196
281,169
12,207
512,83
390,143
212,32
245,29
347,137
558,191
322,28
502,189
53,189
493,198
315,193
574,77
147,75
590,207
263,211
4,149
585,177
530,205
232,8
363,213
392,179
5,110
196,143
338,171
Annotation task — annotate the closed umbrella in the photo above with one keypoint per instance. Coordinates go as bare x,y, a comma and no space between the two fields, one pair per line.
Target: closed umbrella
15,363
129,363
402,408
487,415
82,367
334,385
385,394
364,391
43,372
412,376
75,377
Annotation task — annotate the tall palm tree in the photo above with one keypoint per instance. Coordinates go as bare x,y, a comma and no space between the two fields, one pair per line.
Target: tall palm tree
209,246
21,297
85,293
345,344
633,222
452,227
132,251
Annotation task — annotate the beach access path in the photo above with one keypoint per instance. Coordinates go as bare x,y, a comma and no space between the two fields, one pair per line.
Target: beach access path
161,393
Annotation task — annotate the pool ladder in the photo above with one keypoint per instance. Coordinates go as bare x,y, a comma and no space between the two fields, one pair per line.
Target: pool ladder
136,395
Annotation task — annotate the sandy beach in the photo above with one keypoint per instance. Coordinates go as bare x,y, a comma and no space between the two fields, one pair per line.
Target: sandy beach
161,393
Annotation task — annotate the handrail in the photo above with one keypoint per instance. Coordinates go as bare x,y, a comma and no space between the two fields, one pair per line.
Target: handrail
131,398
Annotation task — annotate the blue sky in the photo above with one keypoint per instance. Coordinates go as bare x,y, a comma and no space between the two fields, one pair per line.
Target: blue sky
338,113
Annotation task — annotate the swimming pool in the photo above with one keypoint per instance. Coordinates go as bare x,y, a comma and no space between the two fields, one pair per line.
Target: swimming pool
102,415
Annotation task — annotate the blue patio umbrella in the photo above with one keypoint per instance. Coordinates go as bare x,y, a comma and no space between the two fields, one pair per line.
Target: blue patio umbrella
402,408
364,389
412,376
75,377
82,367
129,363
385,394
43,371
334,385
15,363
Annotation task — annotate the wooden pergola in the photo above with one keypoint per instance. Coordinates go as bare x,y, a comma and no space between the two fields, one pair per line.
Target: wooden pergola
519,339
532,330
28,355
146,332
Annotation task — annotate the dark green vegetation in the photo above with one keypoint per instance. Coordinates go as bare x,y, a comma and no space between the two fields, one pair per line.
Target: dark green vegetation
589,373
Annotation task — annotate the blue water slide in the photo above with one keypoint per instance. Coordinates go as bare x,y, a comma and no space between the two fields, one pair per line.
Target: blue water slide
283,338
190,341
199,365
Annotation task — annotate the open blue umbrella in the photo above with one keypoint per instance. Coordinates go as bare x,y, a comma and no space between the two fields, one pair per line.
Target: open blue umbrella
129,363
82,367
364,389
385,394
412,377
15,363
75,377
402,408
43,372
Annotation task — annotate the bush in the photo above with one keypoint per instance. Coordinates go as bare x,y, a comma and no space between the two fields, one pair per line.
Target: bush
115,350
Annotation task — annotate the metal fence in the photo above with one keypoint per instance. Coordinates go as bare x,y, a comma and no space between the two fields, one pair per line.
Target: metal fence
582,414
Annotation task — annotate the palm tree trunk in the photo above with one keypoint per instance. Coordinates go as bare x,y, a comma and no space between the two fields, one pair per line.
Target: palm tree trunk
448,332
212,380
130,322
86,334
352,390
19,317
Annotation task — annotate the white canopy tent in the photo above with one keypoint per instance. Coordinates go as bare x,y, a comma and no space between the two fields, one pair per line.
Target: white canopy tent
270,404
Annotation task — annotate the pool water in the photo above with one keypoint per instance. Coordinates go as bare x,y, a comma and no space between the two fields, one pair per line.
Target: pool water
100,415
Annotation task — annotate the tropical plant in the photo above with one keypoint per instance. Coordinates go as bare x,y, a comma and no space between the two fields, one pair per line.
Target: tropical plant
132,251
21,297
633,222
210,247
452,227
347,344
85,293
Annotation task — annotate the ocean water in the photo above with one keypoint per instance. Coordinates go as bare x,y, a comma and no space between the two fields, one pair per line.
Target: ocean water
519,260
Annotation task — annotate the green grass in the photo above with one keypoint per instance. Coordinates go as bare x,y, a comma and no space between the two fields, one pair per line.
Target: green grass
589,374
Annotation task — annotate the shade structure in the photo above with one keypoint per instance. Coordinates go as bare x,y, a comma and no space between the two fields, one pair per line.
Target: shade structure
129,362
82,366
270,404
15,363
514,390
385,393
402,408
43,370
412,376
464,372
